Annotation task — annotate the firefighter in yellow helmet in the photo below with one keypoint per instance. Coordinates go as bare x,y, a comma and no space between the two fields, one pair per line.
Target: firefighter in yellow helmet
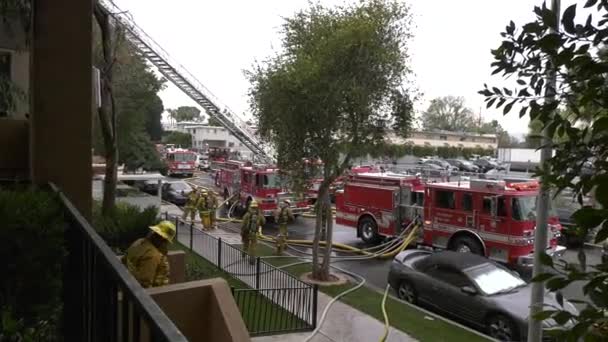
212,207
252,221
191,203
203,210
146,259
282,216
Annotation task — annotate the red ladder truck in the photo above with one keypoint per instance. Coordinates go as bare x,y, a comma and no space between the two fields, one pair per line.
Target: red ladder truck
261,183
494,218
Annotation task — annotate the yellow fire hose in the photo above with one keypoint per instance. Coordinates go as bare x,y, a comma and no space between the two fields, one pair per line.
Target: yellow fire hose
341,246
386,322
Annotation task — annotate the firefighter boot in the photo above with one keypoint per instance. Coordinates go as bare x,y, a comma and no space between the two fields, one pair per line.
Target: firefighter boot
280,241
252,249
245,240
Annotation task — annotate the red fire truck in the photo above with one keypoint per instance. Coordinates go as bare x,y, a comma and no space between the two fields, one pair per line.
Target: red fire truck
495,218
313,191
180,162
257,182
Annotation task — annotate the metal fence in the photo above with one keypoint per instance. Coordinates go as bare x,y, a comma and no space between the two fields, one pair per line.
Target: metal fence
101,300
270,299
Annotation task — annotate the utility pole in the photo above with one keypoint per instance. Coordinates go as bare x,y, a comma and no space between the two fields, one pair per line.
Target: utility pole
535,332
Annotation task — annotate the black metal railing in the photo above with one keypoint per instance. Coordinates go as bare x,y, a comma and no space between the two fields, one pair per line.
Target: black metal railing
101,300
271,300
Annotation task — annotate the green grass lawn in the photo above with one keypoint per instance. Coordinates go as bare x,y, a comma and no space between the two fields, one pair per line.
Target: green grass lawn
401,316
259,313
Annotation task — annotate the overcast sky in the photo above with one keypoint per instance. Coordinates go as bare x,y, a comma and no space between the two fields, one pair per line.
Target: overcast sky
217,40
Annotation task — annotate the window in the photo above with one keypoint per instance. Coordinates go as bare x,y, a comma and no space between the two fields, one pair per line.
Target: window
501,207
487,205
215,131
443,137
230,144
417,198
449,276
444,199
5,73
467,202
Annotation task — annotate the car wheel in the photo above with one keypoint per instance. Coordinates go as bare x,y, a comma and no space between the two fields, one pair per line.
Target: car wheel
466,244
369,230
406,292
502,328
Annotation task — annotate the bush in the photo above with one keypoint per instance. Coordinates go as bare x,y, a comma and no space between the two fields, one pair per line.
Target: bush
32,253
125,224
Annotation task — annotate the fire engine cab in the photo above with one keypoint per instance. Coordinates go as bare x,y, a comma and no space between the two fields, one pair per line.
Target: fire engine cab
257,182
180,162
495,218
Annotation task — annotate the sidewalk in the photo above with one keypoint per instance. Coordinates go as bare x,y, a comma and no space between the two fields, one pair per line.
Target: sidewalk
343,322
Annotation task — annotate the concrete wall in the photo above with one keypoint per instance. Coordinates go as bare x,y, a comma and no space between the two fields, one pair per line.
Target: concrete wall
14,149
61,83
215,136
204,311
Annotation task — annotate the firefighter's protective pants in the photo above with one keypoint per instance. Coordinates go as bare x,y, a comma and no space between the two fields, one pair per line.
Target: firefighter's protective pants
212,220
250,240
206,219
189,210
281,239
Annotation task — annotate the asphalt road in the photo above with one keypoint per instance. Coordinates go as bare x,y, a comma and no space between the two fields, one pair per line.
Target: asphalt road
375,270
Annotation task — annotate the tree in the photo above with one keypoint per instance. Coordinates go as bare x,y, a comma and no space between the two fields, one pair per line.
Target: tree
213,122
178,138
448,113
580,139
185,113
15,18
107,110
332,94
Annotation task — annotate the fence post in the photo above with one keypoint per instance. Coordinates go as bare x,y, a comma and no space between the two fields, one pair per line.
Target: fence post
191,232
257,273
315,293
219,253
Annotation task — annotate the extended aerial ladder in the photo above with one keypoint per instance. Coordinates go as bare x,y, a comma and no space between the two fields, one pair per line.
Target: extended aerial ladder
185,81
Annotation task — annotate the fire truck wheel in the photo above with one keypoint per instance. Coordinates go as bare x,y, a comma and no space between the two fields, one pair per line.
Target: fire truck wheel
369,230
466,244
407,292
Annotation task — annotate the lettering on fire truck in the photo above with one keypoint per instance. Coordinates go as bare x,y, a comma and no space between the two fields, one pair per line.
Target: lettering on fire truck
488,217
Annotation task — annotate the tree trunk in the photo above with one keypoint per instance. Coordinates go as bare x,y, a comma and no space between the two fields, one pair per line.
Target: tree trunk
107,112
321,272
324,272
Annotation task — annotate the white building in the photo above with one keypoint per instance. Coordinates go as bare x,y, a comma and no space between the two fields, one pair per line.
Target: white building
204,136
444,138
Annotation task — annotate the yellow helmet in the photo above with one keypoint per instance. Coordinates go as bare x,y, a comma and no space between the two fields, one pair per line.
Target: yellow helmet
166,229
253,204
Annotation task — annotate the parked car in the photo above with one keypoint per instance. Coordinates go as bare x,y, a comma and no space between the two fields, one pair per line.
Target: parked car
431,169
148,186
463,165
470,288
485,165
441,163
176,192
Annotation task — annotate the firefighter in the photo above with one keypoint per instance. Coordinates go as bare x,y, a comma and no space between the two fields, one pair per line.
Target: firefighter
212,207
282,217
146,259
252,221
191,204
203,210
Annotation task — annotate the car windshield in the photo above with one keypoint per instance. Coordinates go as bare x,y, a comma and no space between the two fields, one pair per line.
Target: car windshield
492,279
181,186
272,181
465,162
184,157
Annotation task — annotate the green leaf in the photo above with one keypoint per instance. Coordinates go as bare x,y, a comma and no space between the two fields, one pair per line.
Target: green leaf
491,102
588,217
590,3
568,19
562,317
559,297
601,192
500,103
550,42
522,111
557,283
543,315
545,259
602,234
542,277
521,82
508,107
